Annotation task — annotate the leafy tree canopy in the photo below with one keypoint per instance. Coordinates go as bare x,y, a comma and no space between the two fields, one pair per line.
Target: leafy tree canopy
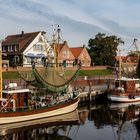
103,49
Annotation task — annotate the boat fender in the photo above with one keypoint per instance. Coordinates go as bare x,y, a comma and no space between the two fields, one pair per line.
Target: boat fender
130,96
4,103
133,97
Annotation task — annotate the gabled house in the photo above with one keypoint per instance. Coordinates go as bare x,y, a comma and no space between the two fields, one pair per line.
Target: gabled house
81,55
24,48
65,54
73,55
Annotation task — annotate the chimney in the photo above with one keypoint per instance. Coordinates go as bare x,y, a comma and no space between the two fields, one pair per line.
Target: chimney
84,46
22,33
65,42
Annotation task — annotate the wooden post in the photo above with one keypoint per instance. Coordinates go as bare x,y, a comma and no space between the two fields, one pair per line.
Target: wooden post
89,92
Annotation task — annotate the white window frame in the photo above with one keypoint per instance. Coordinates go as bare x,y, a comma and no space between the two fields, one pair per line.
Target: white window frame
10,48
15,48
3,48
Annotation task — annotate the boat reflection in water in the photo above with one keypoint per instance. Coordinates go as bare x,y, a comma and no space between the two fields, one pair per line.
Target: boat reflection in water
118,121
108,121
41,129
127,119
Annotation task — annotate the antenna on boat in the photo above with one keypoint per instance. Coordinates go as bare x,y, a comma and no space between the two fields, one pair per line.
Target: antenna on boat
0,69
120,74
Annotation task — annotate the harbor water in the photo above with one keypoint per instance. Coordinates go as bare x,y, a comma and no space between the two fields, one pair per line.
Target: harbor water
91,121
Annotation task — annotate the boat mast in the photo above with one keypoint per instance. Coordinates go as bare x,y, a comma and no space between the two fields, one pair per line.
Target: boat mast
54,44
0,69
120,61
58,46
136,47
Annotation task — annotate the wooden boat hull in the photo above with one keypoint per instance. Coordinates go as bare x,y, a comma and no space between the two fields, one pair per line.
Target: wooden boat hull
12,117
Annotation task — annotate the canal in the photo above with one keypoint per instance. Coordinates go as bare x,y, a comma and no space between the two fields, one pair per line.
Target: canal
94,121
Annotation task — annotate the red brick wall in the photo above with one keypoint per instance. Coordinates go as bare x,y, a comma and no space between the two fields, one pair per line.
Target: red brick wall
68,54
85,58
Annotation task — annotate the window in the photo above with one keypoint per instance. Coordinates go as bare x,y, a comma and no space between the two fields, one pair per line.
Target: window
4,48
15,48
38,48
28,60
66,54
10,48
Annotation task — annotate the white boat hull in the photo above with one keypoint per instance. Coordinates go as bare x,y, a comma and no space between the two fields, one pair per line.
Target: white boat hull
57,111
125,99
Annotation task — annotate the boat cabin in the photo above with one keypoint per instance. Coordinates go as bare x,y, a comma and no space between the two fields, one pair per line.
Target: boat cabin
14,98
128,85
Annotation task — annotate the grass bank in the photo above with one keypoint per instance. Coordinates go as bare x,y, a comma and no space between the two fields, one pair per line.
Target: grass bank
15,75
95,72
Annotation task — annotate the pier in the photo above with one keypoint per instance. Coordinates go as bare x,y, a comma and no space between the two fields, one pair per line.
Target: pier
93,87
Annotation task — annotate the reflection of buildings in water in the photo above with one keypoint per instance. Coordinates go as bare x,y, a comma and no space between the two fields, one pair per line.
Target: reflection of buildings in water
123,122
124,119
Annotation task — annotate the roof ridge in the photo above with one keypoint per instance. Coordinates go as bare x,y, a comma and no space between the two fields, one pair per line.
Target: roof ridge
24,33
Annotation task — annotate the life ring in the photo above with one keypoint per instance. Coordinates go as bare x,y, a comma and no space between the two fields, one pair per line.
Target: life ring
4,103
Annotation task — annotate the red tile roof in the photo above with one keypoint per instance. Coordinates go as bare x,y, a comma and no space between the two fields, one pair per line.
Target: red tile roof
76,51
23,40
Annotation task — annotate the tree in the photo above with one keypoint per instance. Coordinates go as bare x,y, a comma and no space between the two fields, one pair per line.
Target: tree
103,49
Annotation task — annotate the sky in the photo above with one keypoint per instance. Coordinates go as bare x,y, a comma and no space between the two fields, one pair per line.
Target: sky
79,20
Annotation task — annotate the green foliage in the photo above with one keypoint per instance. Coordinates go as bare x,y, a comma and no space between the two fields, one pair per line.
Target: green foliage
103,49
10,75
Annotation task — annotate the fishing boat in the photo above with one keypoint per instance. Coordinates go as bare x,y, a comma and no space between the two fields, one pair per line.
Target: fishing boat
125,89
50,95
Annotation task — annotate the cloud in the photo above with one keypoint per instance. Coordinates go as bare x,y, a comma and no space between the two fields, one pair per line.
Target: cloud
79,21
